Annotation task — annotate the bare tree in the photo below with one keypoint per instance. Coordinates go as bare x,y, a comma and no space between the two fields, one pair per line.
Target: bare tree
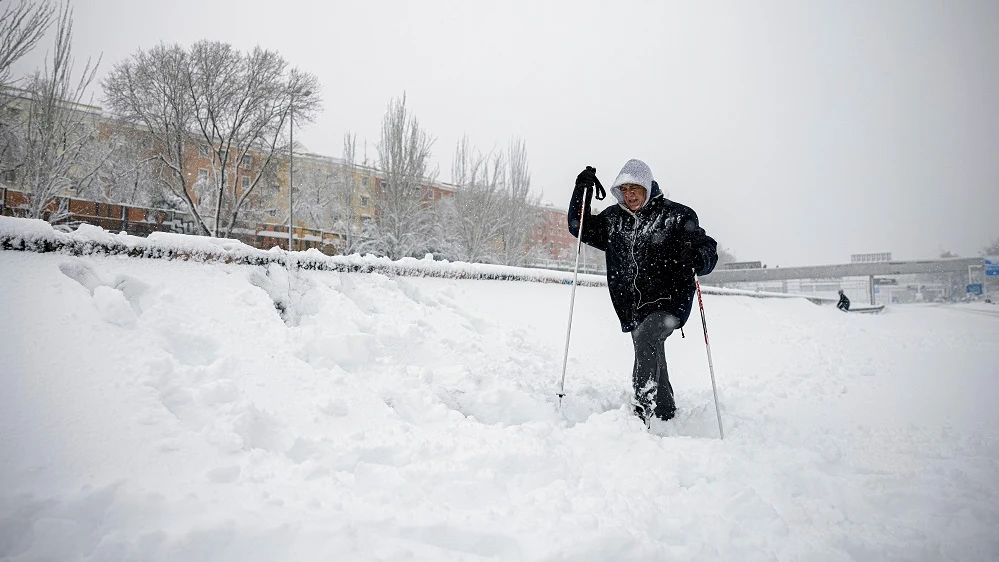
11,131
230,107
725,255
521,208
60,132
315,192
22,25
356,235
328,194
127,174
404,225
241,104
149,91
471,220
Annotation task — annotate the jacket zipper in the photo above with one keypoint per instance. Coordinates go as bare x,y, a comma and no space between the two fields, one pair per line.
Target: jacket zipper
634,280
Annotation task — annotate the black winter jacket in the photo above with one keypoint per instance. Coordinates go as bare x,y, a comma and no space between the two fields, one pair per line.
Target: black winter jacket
642,251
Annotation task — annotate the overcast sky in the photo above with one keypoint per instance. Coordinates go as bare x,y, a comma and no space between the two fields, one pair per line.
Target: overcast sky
800,132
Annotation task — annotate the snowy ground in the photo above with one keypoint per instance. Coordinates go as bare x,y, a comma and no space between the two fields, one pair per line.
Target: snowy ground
163,410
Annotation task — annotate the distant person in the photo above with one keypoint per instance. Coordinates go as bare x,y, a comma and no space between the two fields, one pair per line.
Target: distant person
652,246
844,303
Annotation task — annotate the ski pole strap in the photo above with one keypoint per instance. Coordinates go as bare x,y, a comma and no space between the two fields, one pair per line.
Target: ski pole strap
600,188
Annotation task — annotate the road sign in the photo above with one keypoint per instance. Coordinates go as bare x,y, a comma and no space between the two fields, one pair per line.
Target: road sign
974,288
991,267
880,257
885,281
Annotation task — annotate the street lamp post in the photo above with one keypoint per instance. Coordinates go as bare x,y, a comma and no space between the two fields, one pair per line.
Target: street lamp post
291,165
291,169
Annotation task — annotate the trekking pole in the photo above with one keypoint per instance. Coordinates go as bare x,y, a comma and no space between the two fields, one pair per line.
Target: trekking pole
707,345
572,299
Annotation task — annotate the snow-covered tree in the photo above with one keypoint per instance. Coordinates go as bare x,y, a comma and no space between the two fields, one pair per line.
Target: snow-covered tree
149,92
471,221
725,255
22,25
242,102
330,196
352,200
230,106
126,174
315,192
520,208
57,131
404,225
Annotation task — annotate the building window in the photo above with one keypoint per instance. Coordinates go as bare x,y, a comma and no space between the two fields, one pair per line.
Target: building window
247,161
364,181
365,200
203,151
244,182
202,174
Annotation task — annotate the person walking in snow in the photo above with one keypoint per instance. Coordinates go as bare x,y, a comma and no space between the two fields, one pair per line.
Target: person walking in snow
652,246
844,303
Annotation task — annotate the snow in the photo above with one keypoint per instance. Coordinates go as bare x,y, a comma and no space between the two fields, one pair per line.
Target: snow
157,409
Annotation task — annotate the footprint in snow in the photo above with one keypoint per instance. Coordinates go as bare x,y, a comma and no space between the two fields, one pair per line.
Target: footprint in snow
118,301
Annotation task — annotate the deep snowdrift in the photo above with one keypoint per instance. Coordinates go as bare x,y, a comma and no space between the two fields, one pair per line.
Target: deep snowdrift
167,410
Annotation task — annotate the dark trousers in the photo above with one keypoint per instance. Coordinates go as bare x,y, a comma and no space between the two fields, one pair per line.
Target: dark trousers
653,392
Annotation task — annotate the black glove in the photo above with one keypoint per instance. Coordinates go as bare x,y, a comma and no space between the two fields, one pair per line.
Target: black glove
587,179
690,257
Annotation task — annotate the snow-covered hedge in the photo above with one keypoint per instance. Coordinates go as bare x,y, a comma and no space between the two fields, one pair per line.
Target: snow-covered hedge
39,236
